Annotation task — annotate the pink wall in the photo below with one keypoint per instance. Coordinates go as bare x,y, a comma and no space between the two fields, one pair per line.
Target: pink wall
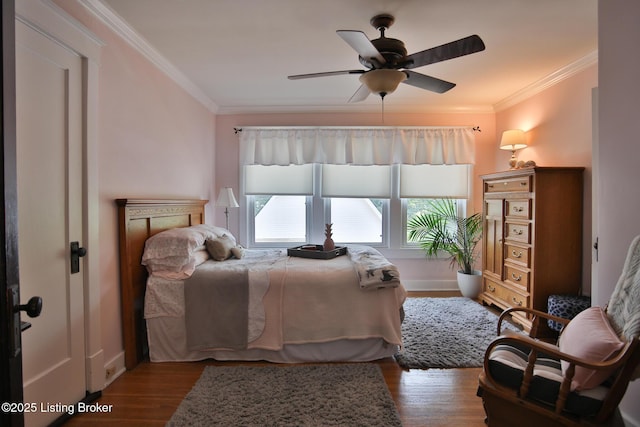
558,126
154,141
619,150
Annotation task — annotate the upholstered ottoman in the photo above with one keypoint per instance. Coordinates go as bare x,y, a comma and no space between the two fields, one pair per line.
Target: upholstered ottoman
566,306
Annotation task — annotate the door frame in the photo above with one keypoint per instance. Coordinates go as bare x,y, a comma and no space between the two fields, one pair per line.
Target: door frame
10,365
52,21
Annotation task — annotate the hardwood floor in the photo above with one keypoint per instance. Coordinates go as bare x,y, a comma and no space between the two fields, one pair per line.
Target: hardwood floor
149,394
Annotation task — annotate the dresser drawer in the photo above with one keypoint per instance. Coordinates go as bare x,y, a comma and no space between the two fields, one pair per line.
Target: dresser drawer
506,296
518,208
509,184
516,276
517,254
518,232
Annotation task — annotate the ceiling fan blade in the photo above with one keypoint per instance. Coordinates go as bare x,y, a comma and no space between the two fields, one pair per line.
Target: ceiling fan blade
325,74
427,82
360,94
361,44
455,49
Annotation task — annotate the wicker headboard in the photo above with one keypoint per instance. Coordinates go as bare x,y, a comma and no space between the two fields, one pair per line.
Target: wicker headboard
139,219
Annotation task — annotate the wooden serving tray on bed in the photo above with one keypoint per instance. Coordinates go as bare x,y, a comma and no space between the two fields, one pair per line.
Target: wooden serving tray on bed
316,252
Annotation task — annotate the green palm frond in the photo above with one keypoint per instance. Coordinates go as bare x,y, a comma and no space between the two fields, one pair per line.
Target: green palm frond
438,229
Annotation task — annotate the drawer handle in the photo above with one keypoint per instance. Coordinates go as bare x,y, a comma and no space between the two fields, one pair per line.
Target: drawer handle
516,302
517,231
516,278
518,208
491,288
490,185
516,254
523,183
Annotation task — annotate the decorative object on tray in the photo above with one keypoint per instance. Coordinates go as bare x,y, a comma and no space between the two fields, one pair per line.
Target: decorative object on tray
328,242
316,251
439,228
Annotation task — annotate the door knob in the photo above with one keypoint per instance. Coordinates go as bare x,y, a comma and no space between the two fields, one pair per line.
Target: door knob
33,307
77,252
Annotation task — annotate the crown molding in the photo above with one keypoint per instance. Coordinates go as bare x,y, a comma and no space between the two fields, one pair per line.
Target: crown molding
114,22
53,22
350,108
548,81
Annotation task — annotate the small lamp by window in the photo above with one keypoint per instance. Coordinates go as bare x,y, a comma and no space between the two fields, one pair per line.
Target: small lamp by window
226,200
513,140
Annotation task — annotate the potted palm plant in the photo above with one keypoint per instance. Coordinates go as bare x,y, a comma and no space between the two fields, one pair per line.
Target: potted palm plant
439,228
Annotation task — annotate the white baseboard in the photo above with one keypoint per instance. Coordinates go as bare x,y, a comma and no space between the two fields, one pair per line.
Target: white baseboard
430,285
95,372
117,365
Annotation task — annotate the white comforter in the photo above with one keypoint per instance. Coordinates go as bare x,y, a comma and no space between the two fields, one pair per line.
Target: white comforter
298,300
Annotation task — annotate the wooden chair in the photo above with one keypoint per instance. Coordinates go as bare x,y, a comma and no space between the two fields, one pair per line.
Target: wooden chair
529,382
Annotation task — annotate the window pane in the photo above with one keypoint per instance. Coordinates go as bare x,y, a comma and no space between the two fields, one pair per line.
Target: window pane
280,219
357,220
415,206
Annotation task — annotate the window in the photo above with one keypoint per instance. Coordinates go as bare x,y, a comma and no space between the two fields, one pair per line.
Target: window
414,206
279,218
289,205
419,184
278,201
357,220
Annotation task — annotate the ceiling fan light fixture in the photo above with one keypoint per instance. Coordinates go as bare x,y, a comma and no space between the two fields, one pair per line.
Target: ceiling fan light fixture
383,81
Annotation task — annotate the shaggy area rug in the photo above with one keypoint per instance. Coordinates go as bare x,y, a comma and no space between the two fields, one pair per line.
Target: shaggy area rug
289,395
446,333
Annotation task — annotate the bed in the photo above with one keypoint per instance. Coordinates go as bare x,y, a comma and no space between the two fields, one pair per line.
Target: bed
199,295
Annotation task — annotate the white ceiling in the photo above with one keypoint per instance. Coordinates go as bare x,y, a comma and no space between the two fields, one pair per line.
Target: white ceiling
240,52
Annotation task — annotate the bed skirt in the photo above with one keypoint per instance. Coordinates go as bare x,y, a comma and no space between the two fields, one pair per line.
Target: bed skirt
167,343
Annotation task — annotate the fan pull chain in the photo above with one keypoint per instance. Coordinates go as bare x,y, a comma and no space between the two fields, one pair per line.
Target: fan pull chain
382,96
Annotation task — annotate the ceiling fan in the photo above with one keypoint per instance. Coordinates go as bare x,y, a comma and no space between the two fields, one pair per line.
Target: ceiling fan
389,65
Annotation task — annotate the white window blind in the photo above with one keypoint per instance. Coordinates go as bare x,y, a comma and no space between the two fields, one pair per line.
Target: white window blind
356,181
434,181
283,180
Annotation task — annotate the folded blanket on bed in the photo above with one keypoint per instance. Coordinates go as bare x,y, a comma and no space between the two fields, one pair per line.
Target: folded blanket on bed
374,270
221,303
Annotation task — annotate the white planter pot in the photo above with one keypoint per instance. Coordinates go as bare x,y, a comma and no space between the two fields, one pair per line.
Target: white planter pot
470,285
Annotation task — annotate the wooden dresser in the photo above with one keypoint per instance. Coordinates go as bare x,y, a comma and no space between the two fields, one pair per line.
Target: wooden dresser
532,237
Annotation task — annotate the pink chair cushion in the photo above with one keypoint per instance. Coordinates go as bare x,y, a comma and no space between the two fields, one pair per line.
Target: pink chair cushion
589,336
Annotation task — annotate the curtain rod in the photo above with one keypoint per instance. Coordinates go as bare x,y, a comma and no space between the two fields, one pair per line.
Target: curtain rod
474,128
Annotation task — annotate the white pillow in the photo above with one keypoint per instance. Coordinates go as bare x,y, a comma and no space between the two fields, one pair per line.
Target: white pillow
178,273
172,251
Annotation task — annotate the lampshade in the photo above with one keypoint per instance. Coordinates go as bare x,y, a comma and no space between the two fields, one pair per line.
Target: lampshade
226,199
513,140
383,81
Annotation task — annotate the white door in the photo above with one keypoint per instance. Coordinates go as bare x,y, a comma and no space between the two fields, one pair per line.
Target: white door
49,169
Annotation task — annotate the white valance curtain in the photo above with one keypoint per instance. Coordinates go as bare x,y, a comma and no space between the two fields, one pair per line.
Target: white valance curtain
357,146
